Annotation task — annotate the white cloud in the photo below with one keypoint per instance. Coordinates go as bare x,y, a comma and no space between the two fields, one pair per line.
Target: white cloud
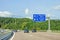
29,17
5,14
53,8
26,11
57,7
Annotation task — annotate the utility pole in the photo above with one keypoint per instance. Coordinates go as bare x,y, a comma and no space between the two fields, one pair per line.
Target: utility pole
48,23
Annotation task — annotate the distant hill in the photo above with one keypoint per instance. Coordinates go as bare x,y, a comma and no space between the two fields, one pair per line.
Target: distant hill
22,23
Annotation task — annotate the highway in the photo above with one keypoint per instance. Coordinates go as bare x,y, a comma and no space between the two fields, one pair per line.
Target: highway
36,36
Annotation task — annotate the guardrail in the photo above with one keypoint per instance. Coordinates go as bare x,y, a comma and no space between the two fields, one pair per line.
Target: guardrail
7,36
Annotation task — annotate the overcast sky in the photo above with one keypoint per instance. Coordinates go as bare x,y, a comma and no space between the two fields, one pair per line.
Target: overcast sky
26,8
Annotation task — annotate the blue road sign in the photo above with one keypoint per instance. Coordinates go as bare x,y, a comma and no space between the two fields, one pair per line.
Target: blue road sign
39,17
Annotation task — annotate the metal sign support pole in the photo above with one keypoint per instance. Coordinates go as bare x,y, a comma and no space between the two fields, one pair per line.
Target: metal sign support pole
49,24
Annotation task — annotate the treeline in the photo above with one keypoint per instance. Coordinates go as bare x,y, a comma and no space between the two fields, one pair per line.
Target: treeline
23,23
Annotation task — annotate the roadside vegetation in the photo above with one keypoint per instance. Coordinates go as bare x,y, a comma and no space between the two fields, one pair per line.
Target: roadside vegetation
22,23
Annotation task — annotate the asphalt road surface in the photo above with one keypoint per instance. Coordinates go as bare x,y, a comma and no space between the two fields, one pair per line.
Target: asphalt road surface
36,36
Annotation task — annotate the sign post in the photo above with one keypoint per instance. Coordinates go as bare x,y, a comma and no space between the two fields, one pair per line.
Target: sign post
48,24
38,18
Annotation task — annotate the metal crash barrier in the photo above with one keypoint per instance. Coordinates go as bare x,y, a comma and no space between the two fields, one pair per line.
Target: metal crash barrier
7,36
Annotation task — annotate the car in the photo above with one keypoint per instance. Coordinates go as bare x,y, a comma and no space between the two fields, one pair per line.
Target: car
33,30
26,31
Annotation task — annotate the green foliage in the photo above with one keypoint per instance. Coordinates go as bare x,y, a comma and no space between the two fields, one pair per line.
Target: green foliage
23,23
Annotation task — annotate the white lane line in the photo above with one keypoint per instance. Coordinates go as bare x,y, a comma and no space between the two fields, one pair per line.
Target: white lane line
12,36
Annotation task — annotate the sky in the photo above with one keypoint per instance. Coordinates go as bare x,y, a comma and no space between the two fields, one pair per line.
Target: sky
26,8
